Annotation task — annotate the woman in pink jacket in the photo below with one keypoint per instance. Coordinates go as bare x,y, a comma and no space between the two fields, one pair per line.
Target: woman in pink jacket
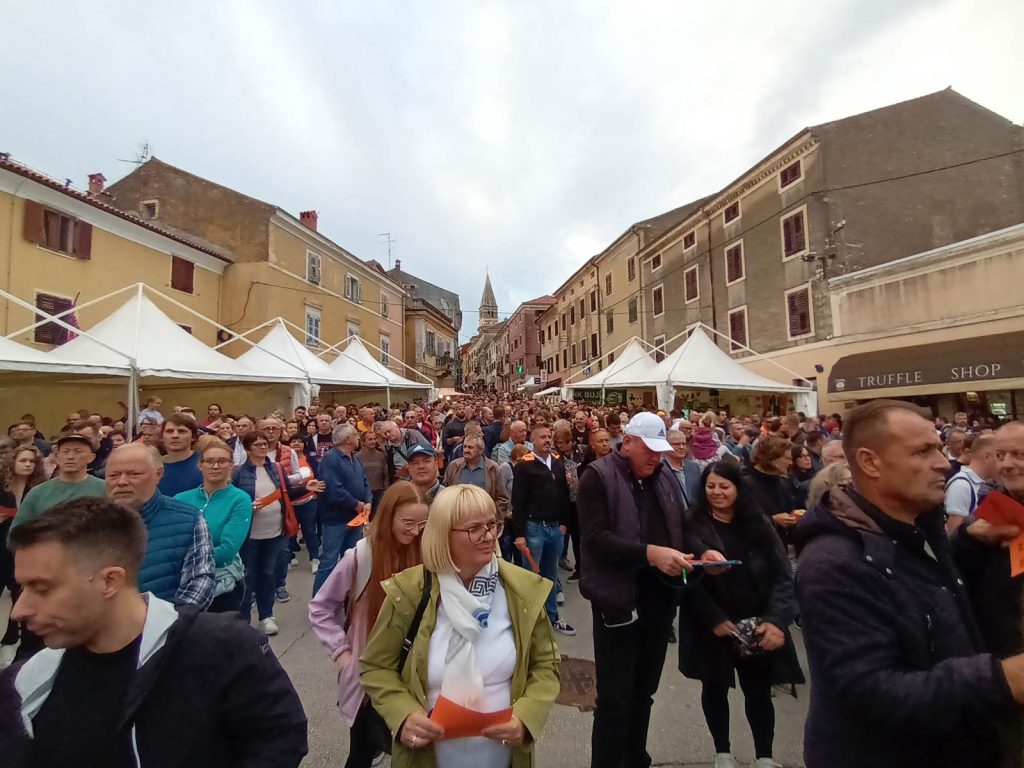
346,607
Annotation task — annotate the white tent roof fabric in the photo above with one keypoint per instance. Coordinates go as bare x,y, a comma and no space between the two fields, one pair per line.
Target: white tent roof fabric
700,364
356,367
279,341
633,364
159,347
19,357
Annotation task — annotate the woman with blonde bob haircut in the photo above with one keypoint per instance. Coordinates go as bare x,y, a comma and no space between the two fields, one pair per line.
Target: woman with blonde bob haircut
484,642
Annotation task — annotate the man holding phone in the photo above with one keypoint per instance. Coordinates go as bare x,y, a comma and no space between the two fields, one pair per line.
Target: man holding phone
635,548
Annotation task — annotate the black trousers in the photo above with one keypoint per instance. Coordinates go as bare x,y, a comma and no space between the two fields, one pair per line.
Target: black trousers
229,601
629,662
757,702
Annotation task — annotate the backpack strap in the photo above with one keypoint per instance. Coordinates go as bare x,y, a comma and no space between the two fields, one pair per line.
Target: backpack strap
410,636
970,487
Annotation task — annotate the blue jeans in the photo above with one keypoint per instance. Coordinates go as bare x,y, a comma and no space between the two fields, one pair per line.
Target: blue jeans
259,556
545,543
308,516
338,538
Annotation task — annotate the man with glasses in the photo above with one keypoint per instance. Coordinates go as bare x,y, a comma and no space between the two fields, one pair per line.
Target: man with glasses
685,469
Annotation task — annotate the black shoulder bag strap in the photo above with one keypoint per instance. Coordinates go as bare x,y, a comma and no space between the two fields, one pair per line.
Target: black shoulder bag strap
416,619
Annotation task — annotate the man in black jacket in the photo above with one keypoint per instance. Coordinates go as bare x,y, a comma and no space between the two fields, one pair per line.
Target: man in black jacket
540,513
635,549
127,680
899,673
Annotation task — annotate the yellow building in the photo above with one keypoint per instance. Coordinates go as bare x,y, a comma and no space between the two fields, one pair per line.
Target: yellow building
283,266
61,247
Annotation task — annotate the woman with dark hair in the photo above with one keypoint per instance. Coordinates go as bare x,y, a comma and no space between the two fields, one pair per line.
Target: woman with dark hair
769,477
802,472
347,605
736,624
22,469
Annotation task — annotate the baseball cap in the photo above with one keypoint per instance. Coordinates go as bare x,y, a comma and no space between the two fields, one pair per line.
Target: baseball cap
649,428
75,436
418,450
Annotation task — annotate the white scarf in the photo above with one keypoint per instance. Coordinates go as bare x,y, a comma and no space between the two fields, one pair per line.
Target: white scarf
468,611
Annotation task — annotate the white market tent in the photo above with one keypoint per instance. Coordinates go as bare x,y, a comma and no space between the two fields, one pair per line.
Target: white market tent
280,352
699,363
25,359
355,368
633,364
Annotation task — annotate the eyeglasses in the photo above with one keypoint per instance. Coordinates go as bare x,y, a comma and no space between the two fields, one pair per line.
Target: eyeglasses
413,526
216,462
477,532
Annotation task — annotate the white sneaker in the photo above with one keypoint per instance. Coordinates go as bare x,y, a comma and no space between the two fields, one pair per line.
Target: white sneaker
560,598
725,760
767,762
7,653
269,626
313,565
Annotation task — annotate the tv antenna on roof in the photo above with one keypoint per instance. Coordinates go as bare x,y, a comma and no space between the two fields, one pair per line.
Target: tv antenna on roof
144,153
390,243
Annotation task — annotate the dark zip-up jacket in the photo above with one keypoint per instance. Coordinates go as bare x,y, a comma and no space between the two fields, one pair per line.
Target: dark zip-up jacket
539,494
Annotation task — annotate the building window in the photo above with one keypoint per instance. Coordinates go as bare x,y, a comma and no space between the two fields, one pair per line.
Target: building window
594,350
632,311
798,312
689,240
312,327
607,285
353,330
573,350
731,213
183,275
430,347
572,315
630,270
659,348
593,297
186,328
151,209
51,333
609,321
313,268
56,231
794,234
565,358
611,358
658,301
734,263
691,285
583,350
790,174
353,289
737,329
583,309
656,262
385,350
385,309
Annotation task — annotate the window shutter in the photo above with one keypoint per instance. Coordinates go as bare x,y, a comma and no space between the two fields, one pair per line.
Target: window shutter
83,240
798,232
798,309
33,224
738,328
51,333
182,275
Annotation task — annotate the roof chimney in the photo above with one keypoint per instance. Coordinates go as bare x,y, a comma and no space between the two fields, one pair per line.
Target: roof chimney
309,219
398,263
96,182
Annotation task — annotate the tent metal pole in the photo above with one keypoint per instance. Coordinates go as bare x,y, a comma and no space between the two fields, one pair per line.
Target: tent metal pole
57,318
133,400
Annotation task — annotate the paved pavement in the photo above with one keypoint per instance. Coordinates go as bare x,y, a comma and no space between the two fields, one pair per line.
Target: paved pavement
678,736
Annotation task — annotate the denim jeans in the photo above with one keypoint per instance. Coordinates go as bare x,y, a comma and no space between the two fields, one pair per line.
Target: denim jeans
338,538
308,515
259,556
545,543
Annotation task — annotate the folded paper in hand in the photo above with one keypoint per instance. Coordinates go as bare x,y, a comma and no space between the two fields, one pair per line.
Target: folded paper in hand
461,723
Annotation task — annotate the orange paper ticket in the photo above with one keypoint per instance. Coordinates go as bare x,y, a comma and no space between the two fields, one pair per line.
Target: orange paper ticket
460,723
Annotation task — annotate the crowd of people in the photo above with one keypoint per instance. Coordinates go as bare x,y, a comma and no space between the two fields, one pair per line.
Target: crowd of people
441,537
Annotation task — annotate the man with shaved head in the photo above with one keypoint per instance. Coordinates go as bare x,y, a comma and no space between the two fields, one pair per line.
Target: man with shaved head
178,564
900,673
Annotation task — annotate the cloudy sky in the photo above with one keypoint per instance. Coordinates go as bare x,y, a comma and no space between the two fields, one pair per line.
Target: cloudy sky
516,137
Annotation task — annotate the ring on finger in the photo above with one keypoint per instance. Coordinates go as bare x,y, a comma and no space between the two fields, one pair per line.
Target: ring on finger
413,741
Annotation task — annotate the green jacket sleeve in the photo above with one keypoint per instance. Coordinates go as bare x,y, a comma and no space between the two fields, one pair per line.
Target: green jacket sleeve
542,683
232,536
388,692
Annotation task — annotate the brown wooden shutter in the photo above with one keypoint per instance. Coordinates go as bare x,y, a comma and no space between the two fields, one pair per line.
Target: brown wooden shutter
798,232
33,224
798,309
83,240
51,333
738,328
182,275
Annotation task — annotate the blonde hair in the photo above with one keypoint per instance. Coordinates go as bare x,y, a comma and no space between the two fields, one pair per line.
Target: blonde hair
209,442
452,507
828,478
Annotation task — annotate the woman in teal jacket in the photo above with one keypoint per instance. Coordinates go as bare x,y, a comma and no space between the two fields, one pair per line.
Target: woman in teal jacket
228,513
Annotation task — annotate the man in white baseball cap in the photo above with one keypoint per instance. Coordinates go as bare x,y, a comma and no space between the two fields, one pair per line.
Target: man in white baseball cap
634,543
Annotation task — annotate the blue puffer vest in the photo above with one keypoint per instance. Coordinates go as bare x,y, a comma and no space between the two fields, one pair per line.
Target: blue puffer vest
170,525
